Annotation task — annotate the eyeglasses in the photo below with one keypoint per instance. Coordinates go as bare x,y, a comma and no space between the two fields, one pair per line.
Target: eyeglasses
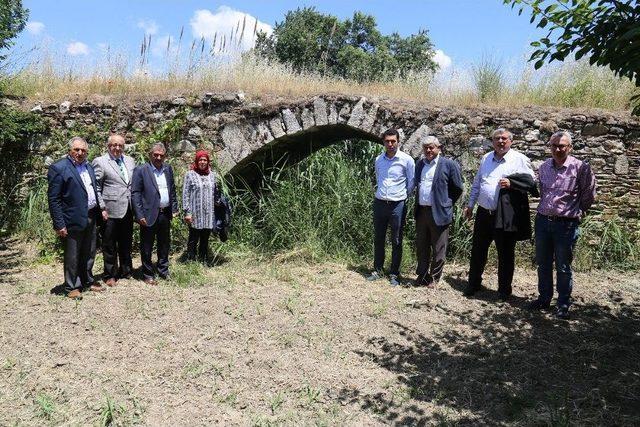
79,150
560,146
500,138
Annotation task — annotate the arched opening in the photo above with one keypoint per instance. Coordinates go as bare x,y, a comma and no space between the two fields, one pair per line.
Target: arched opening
291,149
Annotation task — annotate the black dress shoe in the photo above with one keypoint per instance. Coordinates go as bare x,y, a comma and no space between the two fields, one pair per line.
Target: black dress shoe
470,291
562,312
503,296
538,305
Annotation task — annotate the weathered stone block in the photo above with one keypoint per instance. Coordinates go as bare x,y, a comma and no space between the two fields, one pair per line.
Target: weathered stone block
621,166
357,114
320,111
291,123
594,129
307,119
277,127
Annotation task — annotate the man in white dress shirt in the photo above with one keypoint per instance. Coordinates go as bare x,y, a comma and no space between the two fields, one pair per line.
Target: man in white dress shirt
438,187
394,178
490,179
153,196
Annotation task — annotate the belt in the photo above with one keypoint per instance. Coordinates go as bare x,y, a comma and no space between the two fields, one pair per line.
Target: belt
389,202
489,211
558,218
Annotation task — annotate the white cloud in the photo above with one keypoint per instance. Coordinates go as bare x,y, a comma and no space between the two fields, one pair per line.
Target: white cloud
442,59
77,48
34,27
164,45
225,20
149,26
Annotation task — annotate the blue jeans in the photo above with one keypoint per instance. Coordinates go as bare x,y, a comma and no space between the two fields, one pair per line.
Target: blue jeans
555,240
385,215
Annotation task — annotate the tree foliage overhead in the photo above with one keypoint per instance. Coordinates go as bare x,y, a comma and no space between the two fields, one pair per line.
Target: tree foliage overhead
355,49
606,31
13,18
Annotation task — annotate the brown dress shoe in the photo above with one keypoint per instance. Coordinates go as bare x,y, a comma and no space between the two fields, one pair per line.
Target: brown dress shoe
97,288
150,281
74,294
111,282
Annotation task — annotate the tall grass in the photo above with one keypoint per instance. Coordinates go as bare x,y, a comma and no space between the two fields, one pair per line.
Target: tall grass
196,66
321,209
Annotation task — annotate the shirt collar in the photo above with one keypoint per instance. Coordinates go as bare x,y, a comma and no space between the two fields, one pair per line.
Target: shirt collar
116,158
570,160
432,162
506,155
78,165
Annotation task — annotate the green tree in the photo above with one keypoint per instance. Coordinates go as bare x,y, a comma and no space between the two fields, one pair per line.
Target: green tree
13,18
355,49
606,31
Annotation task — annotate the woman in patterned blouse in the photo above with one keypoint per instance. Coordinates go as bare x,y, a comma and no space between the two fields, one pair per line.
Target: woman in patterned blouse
199,195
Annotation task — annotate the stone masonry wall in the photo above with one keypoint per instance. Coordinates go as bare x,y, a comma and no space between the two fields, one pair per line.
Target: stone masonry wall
236,128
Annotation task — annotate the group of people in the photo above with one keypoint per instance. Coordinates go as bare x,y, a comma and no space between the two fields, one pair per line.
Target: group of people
500,189
114,192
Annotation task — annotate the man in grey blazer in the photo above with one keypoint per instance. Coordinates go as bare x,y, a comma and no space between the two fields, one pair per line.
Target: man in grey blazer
438,187
114,171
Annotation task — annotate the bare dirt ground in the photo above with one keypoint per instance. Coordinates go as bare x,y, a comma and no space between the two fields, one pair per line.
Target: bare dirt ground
256,342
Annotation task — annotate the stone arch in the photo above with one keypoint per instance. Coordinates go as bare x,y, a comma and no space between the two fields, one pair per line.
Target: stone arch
296,131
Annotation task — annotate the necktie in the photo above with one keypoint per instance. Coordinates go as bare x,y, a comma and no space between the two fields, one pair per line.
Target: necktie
121,168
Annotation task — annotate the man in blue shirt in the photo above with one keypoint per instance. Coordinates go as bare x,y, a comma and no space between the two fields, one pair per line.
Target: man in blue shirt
74,206
394,182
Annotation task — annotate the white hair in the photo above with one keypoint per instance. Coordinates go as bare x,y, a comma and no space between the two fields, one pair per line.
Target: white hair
431,140
77,138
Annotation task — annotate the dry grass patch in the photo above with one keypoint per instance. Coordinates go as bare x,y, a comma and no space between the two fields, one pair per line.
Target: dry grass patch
298,343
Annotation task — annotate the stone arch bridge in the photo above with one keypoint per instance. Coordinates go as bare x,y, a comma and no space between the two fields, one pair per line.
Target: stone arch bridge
247,135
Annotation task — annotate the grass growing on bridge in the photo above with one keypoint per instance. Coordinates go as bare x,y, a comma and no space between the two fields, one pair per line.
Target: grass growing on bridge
55,77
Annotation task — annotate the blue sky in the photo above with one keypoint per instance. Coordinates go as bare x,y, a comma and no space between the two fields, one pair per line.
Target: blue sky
463,30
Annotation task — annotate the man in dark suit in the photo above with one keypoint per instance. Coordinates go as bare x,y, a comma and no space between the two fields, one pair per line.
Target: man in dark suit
438,187
74,207
113,174
153,195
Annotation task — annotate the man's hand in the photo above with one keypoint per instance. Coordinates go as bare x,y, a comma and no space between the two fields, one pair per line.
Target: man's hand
143,222
188,219
504,183
468,213
62,232
105,215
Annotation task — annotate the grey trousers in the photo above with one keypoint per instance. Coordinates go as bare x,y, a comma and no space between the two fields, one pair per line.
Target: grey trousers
79,255
431,246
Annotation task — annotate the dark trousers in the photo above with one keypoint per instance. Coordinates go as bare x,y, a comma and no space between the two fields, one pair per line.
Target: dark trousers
198,239
431,246
79,255
484,232
159,231
385,215
555,241
117,241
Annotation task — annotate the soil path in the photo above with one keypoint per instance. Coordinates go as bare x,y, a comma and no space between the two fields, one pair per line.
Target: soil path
262,342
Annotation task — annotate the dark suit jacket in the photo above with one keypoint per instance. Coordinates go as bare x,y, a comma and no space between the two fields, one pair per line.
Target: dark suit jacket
67,195
446,189
512,213
145,196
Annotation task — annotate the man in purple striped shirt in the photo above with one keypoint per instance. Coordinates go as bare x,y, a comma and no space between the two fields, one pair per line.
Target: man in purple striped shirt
567,191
